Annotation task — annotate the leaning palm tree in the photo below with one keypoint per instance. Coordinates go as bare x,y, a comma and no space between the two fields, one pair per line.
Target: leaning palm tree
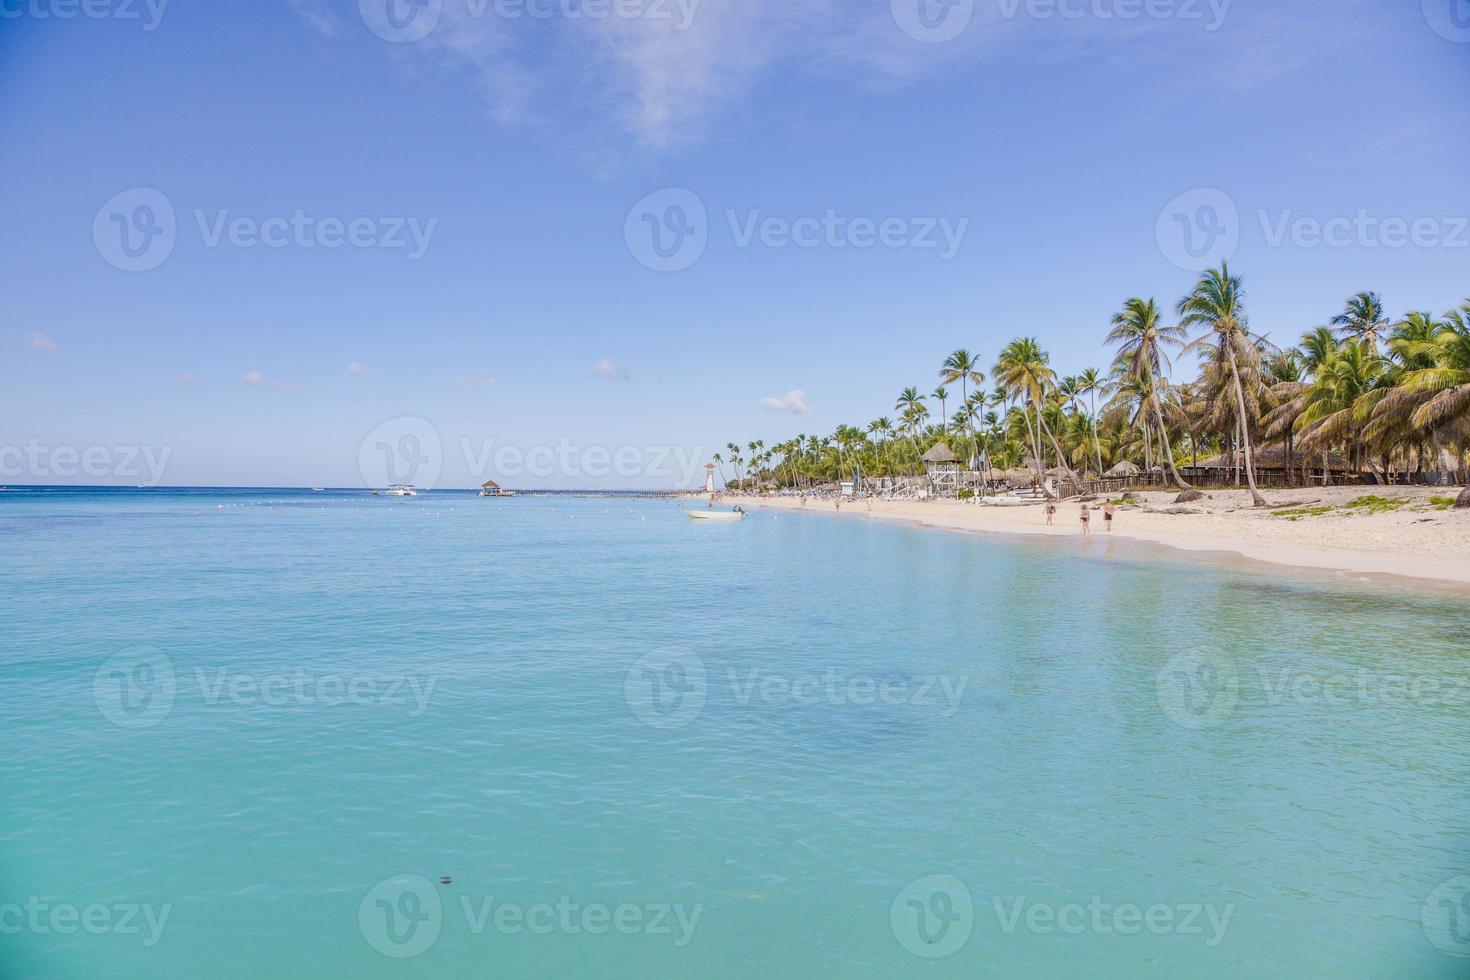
1217,306
1140,337
1363,319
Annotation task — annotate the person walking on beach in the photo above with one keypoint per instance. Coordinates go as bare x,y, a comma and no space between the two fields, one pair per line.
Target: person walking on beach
1051,512
1086,520
1108,510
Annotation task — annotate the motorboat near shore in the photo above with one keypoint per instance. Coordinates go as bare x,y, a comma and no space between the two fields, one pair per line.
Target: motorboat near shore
716,515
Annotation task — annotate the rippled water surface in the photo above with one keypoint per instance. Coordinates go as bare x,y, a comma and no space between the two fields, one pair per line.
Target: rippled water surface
301,735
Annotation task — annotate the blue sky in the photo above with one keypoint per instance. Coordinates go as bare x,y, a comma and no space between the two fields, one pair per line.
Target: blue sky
1066,148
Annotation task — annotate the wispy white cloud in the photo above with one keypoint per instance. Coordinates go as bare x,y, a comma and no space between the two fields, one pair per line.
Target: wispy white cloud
356,368
468,381
188,377
315,13
39,341
608,371
793,401
258,380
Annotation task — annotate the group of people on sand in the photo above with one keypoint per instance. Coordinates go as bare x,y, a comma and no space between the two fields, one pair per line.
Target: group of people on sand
1085,515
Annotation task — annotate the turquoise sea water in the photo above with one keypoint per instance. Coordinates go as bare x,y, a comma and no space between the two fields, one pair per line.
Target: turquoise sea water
255,733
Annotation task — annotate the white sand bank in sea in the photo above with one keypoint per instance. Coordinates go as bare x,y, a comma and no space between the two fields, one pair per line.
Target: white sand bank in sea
1413,539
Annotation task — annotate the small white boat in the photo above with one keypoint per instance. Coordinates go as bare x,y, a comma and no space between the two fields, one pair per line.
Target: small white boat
716,515
400,490
318,489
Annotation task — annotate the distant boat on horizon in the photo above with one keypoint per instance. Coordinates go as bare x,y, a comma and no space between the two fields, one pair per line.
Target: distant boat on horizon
400,490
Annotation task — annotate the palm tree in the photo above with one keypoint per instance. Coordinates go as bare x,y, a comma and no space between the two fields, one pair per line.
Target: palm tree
1362,319
1140,338
964,367
1090,383
909,404
1217,305
1024,371
941,395
720,462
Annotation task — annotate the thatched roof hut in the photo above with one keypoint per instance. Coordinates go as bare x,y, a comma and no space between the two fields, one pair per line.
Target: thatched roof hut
1125,468
940,453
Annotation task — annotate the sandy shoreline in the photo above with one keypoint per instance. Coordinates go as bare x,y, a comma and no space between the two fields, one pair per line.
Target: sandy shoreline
1408,538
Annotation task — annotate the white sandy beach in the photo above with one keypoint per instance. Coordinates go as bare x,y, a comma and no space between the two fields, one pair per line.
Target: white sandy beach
1415,539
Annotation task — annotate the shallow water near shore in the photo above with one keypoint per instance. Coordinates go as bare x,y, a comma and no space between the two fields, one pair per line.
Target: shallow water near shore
310,735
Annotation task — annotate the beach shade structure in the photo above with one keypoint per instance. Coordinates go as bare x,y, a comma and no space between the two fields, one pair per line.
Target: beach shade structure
1125,468
943,468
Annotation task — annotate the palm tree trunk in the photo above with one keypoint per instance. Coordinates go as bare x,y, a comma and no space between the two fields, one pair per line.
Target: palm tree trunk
1096,444
1061,457
1250,472
1167,449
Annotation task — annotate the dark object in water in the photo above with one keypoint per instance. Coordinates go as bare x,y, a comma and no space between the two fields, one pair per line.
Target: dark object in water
446,880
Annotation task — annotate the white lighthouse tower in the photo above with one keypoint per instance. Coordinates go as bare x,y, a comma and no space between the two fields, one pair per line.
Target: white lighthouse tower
709,478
